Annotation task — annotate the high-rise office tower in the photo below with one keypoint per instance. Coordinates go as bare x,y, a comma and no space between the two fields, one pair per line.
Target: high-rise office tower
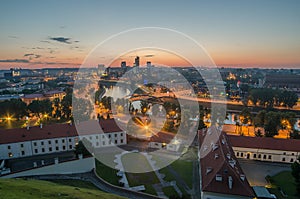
137,61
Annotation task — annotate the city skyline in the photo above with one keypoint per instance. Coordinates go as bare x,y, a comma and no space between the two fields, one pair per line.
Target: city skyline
235,34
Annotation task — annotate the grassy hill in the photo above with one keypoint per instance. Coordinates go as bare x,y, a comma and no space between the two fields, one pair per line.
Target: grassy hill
36,189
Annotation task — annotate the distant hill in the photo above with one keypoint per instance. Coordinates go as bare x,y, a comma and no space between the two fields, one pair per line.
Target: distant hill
37,189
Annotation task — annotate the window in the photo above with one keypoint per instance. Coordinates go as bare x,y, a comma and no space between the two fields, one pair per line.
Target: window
259,156
292,160
284,153
70,140
70,147
116,135
97,137
23,152
64,147
10,155
121,141
56,148
49,142
97,143
34,144
22,145
264,157
8,147
109,136
42,143
270,157
283,159
90,137
242,154
56,141
103,143
254,155
50,148
292,153
35,151
121,134
43,150
116,141
237,154
63,141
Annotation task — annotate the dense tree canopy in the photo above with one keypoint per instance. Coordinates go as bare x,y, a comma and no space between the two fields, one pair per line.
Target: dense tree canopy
14,108
268,97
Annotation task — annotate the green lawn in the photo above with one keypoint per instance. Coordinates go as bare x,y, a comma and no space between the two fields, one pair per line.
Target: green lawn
35,189
135,163
285,181
170,191
107,173
75,183
185,170
138,162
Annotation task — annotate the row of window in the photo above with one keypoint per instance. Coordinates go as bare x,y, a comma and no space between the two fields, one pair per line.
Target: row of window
42,143
43,150
104,136
49,142
70,140
260,156
104,143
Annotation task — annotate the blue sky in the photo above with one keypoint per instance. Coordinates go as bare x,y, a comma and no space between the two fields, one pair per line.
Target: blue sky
235,33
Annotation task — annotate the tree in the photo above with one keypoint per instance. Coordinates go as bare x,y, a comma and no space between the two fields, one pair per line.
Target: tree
144,106
246,117
81,148
288,98
14,107
258,133
296,173
169,126
272,122
56,108
40,107
259,119
66,104
295,134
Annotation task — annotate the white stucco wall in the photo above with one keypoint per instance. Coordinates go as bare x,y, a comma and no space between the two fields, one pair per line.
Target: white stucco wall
266,154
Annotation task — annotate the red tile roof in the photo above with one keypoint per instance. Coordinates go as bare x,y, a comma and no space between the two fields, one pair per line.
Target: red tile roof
162,137
217,160
57,131
265,143
33,96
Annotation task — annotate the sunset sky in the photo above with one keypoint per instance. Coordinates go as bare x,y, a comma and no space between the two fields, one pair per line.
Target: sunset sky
261,33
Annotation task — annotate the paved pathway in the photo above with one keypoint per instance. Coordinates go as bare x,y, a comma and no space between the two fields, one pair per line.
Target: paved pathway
196,193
